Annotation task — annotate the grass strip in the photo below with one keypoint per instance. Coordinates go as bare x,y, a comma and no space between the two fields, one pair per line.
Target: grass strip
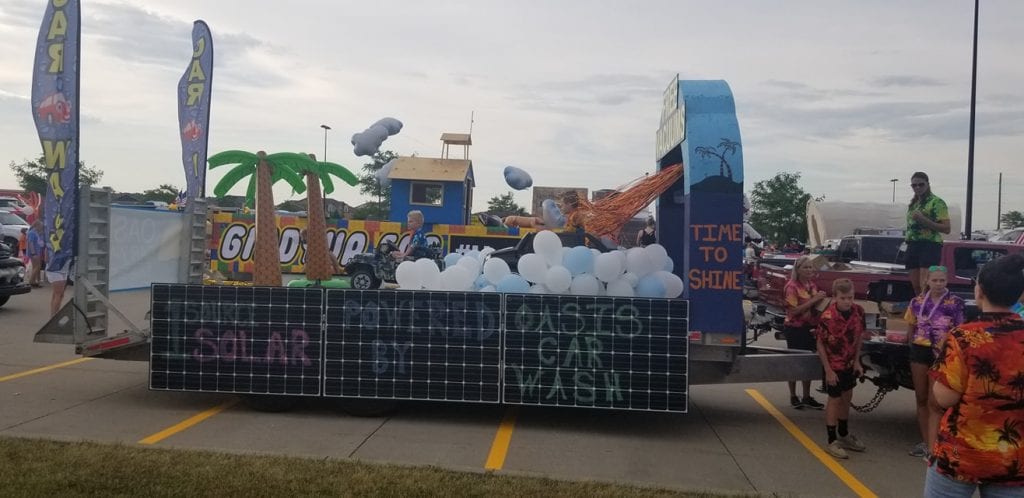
30,467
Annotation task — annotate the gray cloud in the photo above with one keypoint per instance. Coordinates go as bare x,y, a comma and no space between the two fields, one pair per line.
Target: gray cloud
579,96
905,80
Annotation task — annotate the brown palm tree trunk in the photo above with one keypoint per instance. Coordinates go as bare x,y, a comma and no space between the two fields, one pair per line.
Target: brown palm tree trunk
318,257
267,257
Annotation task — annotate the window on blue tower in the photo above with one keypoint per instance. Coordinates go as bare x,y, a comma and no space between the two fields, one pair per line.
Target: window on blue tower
428,194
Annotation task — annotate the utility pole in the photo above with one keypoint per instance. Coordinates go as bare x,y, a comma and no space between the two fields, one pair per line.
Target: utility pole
325,127
999,203
894,180
970,146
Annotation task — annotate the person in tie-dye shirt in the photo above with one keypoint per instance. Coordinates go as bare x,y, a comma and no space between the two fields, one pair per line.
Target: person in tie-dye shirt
979,385
929,317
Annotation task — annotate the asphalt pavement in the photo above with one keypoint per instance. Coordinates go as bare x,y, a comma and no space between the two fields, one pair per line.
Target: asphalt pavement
729,441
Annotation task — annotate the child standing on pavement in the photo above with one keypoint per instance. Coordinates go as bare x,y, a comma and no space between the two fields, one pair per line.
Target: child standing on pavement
839,334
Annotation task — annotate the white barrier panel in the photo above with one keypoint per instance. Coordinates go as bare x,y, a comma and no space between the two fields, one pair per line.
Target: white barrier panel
144,247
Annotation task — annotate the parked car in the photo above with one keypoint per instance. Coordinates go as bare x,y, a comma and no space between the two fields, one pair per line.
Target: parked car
871,248
10,228
12,274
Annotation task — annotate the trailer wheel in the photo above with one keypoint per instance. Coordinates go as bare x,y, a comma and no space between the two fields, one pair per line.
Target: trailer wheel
3,300
367,407
269,402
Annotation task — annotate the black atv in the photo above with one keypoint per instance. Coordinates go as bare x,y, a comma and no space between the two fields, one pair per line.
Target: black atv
369,270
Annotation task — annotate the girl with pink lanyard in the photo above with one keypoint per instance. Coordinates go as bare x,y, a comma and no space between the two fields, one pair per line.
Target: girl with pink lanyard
929,318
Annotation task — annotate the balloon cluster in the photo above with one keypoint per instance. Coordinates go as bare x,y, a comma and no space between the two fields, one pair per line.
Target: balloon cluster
368,141
551,269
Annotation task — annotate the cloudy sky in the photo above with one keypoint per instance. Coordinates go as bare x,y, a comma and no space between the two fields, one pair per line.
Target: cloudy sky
849,94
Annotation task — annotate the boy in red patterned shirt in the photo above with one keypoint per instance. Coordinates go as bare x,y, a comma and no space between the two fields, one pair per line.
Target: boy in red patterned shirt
839,334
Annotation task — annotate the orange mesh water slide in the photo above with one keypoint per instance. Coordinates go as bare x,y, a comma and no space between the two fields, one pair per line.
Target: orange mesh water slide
606,216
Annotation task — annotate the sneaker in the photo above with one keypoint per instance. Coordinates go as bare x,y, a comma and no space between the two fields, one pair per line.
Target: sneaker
851,442
919,450
795,401
835,448
810,402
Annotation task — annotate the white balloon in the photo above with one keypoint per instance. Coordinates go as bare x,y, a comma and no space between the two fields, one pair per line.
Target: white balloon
638,262
473,253
631,278
558,279
607,267
485,251
669,265
533,267
489,288
547,243
657,254
584,284
456,278
494,269
471,264
673,284
539,289
620,288
429,273
408,276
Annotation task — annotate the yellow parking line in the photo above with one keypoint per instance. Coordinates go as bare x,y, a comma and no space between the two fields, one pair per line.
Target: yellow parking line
502,439
856,486
34,371
189,422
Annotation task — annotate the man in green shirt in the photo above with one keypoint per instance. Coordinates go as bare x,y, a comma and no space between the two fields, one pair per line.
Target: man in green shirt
927,220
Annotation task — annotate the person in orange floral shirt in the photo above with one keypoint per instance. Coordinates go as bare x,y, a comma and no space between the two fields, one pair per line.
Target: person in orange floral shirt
802,295
979,376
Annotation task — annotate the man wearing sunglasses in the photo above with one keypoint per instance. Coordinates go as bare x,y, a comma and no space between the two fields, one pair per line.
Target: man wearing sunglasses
927,220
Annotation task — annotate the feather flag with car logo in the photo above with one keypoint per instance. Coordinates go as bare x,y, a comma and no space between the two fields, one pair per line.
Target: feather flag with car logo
55,83
194,110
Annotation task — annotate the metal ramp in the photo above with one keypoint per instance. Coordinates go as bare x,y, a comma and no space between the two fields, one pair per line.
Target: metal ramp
84,321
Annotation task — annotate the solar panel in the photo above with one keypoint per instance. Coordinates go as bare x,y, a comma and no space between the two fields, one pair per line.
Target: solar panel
596,352
259,340
420,345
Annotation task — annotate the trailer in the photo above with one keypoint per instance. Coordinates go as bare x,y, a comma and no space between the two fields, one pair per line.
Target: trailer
372,348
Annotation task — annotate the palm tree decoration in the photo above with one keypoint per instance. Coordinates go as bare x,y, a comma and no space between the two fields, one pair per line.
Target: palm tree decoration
319,266
263,171
728,147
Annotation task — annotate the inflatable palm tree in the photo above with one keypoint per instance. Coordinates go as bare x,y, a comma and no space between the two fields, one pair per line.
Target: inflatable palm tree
319,267
263,171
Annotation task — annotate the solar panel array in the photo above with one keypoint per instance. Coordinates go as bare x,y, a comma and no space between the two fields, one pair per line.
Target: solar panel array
422,345
259,340
596,352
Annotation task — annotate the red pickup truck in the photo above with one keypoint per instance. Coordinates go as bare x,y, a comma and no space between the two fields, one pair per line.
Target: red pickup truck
879,282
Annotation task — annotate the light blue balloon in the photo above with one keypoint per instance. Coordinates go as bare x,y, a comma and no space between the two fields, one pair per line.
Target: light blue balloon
451,259
669,265
481,282
650,286
517,178
513,283
553,216
579,260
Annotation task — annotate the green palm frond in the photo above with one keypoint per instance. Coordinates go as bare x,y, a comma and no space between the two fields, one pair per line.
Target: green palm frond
250,192
340,172
246,168
230,157
282,172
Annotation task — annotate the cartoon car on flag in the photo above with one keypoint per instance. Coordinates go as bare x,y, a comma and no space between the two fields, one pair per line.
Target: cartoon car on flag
55,109
192,131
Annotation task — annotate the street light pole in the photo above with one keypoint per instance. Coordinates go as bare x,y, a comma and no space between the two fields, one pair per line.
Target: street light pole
894,180
325,127
970,143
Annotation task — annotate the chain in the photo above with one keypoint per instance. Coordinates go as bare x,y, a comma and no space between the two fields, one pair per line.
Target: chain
875,401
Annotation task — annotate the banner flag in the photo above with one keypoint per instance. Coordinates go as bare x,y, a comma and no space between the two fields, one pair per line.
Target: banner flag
55,107
194,110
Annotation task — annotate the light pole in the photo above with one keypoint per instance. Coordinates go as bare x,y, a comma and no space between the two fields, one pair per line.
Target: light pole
325,127
894,180
970,140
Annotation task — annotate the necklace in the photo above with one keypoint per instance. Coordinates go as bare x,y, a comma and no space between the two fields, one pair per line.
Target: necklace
921,318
